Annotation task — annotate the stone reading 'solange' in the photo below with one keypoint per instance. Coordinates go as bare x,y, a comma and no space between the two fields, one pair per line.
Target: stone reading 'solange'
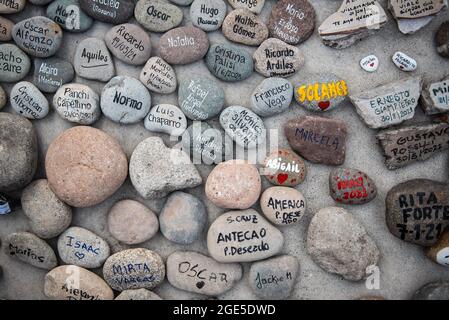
28,101
351,186
93,61
272,96
243,26
158,76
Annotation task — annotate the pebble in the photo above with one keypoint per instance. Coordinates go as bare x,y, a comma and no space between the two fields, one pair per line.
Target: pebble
93,61
137,294
339,244
233,184
158,76
183,45
208,15
321,92
40,2
74,283
351,186
292,21
413,143
38,36
77,103
438,290
243,26
52,73
244,126
413,210
129,43
5,29
435,97
3,98
85,166
327,139
439,252
19,149
125,100
30,249
388,104
114,11
157,15
211,279
182,2
12,6
275,278
183,218
254,6
442,39
68,14
28,101
156,170
14,63
228,62
404,62
283,205
272,96
283,167
83,248
370,63
243,236
47,216
134,269
131,222
166,118
200,98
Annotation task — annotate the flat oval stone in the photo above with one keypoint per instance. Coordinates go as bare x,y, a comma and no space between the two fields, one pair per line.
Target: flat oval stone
47,215
200,98
129,43
137,294
369,63
208,15
183,45
233,184
438,290
12,6
439,251
158,76
77,103
68,14
243,126
3,98
93,61
285,269
275,58
243,236
60,285
18,143
252,5
321,92
131,222
6,29
14,63
125,100
404,62
292,21
272,96
85,166
28,101
339,244
283,167
351,186
414,210
38,36
166,118
157,15
283,205
214,279
109,11
327,143
229,63
442,39
183,218
134,269
52,73
30,249
243,26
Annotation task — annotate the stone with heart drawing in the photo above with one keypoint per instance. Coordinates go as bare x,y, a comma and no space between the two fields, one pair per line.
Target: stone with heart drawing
351,186
321,92
283,167
272,96
283,205
243,26
195,272
82,248
439,252
404,62
68,14
369,63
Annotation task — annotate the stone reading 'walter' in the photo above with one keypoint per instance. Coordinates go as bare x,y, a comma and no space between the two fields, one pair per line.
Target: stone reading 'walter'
416,143
418,210
388,104
435,97
243,26
351,186
318,139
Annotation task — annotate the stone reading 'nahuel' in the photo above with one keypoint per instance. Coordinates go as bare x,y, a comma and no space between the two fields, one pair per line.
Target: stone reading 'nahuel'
435,97
93,60
243,26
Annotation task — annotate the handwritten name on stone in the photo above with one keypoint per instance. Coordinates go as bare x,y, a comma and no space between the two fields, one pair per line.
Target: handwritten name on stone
52,73
166,118
28,101
14,63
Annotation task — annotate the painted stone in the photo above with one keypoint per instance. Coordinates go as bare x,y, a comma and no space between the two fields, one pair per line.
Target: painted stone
166,118
438,290
157,15
11,6
435,97
388,104
28,101
272,96
6,29
404,62
252,5
14,63
137,294
369,63
283,205
243,26
439,252
442,39
113,11
93,61
351,186
52,73
318,139
208,15
68,14
283,167
158,76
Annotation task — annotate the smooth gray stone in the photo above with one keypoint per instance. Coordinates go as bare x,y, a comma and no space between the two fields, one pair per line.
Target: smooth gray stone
68,14
272,96
208,15
166,118
52,73
28,101
157,15
14,63
93,61
109,11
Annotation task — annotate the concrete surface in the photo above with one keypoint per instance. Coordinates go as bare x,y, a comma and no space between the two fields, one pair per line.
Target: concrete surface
404,268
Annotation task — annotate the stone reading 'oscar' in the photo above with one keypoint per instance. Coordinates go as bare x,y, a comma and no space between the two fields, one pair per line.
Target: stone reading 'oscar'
157,15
